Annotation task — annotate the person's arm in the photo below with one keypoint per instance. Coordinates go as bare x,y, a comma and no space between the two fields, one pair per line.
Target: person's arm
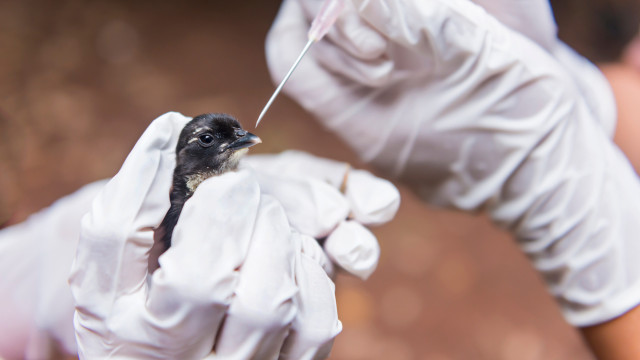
474,116
625,83
617,339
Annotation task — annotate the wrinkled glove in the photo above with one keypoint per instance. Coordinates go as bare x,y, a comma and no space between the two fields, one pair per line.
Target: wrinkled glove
475,116
534,19
234,258
327,199
37,254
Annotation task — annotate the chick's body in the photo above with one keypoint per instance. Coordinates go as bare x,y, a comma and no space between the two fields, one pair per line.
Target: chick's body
209,145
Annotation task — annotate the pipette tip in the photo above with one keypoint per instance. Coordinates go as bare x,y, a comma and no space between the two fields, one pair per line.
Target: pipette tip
259,118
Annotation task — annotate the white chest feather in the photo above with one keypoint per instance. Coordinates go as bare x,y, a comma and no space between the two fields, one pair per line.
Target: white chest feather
194,180
231,164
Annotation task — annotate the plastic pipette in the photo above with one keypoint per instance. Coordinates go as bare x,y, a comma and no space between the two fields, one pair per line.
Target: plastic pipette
319,27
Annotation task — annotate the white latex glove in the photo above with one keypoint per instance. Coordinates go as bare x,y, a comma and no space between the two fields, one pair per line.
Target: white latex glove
233,259
309,188
36,306
475,116
36,255
534,19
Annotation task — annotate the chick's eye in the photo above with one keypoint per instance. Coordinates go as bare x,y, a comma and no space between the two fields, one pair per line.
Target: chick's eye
205,139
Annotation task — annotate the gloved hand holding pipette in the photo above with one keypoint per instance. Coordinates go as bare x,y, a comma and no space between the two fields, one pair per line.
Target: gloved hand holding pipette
320,25
475,115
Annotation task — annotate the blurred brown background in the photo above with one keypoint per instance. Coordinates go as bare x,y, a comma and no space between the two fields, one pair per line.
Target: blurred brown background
81,80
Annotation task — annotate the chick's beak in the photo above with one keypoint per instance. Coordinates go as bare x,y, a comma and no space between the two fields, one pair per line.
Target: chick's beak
245,141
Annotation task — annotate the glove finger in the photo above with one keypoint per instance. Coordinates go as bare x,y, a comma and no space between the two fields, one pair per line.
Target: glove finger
411,24
353,48
313,207
312,249
316,323
374,73
262,309
349,32
193,288
286,38
299,164
398,21
372,200
354,248
117,233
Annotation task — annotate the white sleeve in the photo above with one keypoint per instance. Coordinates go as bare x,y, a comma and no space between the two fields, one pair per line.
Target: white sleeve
35,259
475,116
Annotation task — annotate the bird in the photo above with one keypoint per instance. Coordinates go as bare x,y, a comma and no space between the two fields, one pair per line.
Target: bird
209,145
